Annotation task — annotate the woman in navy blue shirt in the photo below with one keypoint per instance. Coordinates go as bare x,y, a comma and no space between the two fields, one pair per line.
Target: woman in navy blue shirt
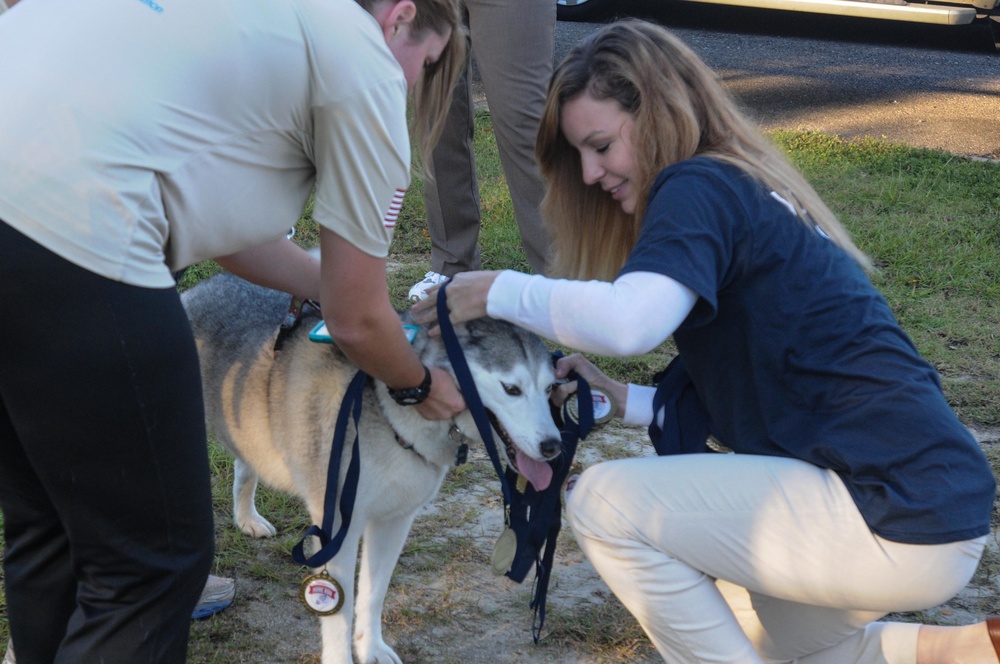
853,492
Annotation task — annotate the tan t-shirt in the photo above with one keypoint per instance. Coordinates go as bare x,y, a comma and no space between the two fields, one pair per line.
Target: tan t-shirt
141,136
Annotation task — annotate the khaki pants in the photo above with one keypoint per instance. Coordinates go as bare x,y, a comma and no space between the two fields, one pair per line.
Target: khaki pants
739,558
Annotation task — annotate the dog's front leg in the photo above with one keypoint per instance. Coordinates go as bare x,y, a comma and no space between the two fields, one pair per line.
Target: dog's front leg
380,548
245,513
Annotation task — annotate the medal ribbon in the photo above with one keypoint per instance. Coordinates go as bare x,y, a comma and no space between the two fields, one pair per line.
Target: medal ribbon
468,387
329,547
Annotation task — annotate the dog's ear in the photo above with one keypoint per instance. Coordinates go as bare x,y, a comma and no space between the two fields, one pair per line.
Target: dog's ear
479,327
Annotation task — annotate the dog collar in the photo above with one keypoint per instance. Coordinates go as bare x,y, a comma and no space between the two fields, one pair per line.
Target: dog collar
454,433
292,319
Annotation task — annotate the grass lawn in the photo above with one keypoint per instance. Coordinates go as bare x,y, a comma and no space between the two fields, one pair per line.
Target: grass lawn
930,221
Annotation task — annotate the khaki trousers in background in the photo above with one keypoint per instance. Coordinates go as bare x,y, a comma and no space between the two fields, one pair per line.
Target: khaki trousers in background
513,42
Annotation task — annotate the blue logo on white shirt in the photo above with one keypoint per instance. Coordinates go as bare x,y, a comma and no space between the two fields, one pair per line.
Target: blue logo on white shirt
152,5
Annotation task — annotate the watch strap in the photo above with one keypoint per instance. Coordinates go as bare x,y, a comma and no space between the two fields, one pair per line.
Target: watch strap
411,396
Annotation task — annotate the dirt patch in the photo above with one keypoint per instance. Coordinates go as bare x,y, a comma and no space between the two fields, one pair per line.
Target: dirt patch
445,606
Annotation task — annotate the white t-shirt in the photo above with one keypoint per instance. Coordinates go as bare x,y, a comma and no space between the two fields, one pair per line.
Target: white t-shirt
141,136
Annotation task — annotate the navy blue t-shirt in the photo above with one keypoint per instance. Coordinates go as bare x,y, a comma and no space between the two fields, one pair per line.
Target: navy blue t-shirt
794,353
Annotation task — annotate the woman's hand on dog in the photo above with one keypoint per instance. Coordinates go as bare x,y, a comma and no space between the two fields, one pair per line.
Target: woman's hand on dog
467,294
597,379
444,401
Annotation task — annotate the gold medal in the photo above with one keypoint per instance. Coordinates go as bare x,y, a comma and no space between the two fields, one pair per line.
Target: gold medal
604,406
322,594
522,483
504,552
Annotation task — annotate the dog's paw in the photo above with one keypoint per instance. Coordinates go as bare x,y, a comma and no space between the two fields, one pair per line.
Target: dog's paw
257,527
370,651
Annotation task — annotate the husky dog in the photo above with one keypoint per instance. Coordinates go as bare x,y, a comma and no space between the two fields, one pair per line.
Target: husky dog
276,412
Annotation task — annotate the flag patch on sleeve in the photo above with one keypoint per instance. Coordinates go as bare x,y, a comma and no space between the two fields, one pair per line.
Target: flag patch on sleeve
392,214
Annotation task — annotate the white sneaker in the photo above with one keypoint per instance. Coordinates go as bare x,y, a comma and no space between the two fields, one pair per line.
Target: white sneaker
8,657
217,595
419,290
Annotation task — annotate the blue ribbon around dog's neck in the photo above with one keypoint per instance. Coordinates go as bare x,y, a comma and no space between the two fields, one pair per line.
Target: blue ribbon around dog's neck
329,547
534,516
468,387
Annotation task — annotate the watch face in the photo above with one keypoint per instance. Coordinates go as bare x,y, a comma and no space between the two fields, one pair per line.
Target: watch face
411,396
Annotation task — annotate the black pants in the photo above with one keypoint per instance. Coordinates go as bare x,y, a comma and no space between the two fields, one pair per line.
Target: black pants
104,479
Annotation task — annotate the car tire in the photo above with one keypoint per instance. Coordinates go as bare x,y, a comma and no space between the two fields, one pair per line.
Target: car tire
582,10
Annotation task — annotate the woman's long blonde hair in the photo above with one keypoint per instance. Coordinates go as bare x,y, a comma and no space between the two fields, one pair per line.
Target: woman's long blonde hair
679,110
432,94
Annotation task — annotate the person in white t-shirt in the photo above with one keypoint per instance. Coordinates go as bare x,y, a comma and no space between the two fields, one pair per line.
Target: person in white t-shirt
138,138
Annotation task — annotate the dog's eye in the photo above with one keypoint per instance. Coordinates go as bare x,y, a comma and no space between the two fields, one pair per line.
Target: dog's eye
511,390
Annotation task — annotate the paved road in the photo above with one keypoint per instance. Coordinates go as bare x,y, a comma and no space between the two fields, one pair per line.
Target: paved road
926,86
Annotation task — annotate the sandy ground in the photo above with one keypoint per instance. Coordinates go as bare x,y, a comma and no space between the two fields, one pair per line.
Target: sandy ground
458,611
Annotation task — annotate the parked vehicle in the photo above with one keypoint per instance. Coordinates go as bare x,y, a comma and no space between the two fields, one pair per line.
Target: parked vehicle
940,12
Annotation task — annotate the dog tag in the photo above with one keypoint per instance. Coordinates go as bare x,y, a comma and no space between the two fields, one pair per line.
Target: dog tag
456,435
504,552
322,594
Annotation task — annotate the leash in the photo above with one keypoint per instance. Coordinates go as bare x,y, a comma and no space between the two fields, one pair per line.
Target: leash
532,518
545,507
468,387
350,407
321,593
330,546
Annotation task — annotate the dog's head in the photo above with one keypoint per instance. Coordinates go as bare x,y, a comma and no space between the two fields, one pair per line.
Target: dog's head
513,373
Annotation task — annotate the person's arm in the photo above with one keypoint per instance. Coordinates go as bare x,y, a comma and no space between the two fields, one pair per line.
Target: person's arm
639,405
630,316
364,325
281,265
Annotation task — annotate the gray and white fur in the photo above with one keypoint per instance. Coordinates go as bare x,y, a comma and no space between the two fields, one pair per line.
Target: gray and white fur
276,413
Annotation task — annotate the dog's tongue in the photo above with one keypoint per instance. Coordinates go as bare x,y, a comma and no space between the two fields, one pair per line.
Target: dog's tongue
539,473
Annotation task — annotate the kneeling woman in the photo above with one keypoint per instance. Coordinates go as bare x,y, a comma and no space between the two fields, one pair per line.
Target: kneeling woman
854,490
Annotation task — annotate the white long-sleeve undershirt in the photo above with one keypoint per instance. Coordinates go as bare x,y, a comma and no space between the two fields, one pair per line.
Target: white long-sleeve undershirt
630,316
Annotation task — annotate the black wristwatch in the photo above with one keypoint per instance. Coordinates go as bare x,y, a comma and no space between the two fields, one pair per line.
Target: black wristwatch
411,396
